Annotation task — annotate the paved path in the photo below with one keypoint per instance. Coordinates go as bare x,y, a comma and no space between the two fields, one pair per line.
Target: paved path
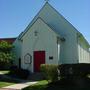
1,73
21,85
18,86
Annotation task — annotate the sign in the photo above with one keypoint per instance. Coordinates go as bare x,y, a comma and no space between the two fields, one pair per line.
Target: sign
27,59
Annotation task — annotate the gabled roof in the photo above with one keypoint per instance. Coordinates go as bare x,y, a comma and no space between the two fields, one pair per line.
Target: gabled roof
39,18
81,36
9,40
58,14
35,19
31,23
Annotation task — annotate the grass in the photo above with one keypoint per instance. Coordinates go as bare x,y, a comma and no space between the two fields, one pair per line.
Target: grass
3,84
4,81
41,85
63,84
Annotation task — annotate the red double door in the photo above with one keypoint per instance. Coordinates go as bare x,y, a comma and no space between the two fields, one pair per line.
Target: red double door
39,58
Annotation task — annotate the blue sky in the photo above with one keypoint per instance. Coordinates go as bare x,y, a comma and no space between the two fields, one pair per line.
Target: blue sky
15,15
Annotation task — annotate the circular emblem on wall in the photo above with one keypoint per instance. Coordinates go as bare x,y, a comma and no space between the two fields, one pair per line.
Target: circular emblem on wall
27,59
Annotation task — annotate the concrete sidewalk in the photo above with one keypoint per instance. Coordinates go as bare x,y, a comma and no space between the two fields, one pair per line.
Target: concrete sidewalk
18,86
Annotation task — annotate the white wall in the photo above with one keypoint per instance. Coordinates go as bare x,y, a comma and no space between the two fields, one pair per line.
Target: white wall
45,41
83,51
89,55
69,51
17,51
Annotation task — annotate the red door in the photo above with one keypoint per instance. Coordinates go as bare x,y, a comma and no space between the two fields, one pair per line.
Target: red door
39,58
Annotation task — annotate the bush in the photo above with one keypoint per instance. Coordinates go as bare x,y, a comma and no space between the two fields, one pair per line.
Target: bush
50,72
74,70
6,54
22,73
4,65
19,73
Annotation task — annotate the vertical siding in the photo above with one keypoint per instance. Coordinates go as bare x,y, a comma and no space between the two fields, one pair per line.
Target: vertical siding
63,52
83,51
70,52
65,29
17,51
89,55
45,41
69,47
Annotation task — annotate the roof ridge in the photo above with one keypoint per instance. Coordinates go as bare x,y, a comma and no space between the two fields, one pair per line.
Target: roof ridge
32,21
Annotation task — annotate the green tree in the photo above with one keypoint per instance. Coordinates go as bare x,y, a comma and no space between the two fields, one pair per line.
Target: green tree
6,55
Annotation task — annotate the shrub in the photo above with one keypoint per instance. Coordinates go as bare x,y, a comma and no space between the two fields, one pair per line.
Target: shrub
4,65
13,70
23,73
74,70
19,73
50,72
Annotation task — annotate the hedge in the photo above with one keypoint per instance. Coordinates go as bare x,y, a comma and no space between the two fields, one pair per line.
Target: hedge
19,73
70,71
50,72
74,70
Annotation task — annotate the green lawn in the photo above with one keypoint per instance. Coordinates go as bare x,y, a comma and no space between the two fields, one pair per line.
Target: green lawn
3,84
60,85
5,81
41,85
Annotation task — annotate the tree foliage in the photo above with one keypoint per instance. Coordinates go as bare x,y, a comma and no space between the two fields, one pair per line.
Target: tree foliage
5,46
6,55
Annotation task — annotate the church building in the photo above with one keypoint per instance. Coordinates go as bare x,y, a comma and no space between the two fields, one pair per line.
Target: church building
50,39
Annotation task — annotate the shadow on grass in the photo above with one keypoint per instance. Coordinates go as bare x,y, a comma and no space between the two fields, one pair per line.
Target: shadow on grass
36,87
63,84
8,79
70,84
41,85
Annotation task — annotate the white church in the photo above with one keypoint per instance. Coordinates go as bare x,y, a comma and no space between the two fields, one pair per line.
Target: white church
50,39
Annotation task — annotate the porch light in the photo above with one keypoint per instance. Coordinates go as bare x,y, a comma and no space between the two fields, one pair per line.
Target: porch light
62,39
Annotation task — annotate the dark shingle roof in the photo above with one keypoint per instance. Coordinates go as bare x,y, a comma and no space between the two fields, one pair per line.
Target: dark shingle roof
9,40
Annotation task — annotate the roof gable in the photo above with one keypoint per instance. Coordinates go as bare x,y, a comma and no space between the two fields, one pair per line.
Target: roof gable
47,11
50,16
41,22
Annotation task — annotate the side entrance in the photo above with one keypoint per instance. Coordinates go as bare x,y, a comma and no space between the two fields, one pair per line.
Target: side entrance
39,58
